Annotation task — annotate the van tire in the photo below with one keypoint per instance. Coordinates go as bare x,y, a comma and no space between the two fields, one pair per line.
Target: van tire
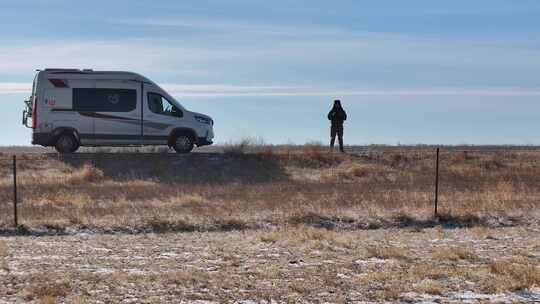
183,144
66,143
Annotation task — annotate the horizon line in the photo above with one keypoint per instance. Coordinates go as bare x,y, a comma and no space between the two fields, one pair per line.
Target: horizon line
224,90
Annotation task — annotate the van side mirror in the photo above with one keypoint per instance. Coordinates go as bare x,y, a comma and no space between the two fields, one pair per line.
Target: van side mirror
176,112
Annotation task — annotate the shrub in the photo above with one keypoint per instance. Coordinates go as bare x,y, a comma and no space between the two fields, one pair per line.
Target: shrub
86,174
243,146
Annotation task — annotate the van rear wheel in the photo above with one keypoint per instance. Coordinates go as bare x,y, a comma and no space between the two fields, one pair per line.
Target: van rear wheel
66,143
183,144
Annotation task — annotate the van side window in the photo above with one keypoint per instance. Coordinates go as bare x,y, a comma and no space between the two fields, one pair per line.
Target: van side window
160,105
104,100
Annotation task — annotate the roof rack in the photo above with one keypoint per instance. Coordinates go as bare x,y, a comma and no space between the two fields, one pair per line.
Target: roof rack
68,70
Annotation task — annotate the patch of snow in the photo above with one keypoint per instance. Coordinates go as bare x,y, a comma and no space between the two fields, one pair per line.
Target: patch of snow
531,294
469,295
101,249
103,270
41,257
168,255
136,272
342,276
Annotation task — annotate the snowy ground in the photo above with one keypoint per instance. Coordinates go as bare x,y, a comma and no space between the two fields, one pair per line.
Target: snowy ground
293,264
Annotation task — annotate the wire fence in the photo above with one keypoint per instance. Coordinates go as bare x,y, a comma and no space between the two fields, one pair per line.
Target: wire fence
52,185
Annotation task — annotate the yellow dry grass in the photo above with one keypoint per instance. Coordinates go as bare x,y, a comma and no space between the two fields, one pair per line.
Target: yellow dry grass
47,300
86,174
48,290
186,276
275,186
387,252
454,253
3,256
429,286
3,249
511,275
309,236
292,263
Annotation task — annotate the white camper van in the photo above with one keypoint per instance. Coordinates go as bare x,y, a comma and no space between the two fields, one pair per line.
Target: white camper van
69,108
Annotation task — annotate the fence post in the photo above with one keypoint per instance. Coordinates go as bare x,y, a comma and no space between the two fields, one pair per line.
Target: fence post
437,183
15,215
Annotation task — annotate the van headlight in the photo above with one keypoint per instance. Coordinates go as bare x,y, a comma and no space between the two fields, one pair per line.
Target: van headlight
204,120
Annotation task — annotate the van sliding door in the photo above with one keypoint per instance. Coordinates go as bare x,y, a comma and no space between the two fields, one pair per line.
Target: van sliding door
116,111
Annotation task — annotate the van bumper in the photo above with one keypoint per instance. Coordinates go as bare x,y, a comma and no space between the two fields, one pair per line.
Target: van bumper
43,139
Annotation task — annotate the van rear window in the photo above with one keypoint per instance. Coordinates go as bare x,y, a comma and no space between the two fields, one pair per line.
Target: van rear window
104,100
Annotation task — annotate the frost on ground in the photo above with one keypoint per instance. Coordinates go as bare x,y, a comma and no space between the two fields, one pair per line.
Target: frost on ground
291,264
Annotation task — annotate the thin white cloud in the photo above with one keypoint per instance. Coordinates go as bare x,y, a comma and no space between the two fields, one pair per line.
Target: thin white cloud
268,53
367,52
125,54
15,87
244,28
241,27
229,90
224,90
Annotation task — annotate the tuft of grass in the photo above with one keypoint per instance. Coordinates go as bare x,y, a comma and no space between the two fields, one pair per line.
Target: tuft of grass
300,287
350,170
3,255
186,276
190,200
480,232
270,237
243,146
512,276
429,287
386,252
454,253
307,235
389,293
271,272
86,174
458,158
47,300
493,162
3,249
48,289
314,150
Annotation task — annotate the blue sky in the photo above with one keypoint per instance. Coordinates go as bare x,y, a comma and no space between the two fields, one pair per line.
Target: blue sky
437,72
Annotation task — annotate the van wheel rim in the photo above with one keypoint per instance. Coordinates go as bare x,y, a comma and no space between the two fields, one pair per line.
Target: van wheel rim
65,143
183,143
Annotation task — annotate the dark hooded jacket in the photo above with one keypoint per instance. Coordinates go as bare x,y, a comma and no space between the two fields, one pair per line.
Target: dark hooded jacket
337,116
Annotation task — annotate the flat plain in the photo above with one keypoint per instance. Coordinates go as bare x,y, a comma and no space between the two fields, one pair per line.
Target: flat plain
288,224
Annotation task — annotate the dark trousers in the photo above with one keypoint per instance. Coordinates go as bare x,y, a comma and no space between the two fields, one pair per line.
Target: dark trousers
336,130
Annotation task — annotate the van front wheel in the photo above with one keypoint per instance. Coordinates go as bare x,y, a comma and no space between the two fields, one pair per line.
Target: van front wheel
66,143
183,144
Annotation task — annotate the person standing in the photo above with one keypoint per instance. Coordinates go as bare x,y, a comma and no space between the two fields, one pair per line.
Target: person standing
337,116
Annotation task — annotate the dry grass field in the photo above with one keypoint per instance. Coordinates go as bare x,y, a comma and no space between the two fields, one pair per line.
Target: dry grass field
291,224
